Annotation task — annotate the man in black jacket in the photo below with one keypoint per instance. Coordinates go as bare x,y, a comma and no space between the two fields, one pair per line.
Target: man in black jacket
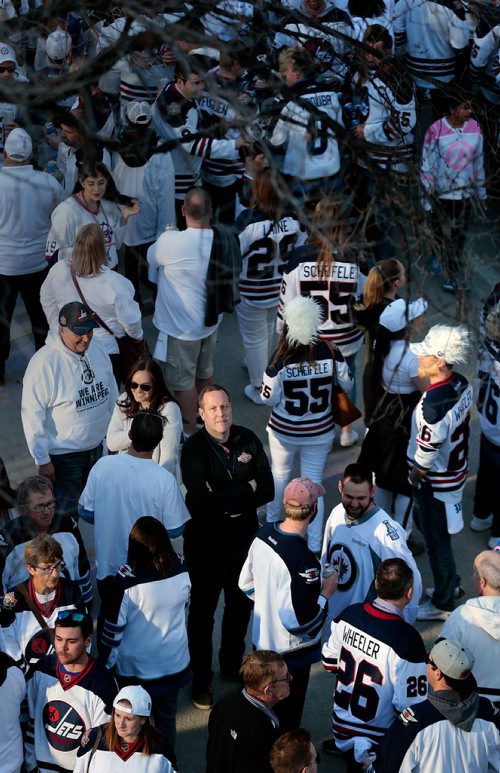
227,477
243,726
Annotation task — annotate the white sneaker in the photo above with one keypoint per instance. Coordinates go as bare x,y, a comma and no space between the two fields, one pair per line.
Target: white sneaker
253,394
348,438
481,524
494,542
427,611
459,592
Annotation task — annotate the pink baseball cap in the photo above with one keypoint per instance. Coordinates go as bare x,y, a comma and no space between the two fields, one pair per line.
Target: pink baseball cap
302,491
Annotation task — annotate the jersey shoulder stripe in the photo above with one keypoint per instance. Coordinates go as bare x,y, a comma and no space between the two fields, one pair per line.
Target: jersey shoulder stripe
440,398
392,630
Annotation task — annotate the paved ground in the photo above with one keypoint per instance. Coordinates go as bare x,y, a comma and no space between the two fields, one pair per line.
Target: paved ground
230,372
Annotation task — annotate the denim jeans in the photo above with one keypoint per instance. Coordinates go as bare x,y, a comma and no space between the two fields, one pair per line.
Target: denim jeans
72,470
430,516
487,496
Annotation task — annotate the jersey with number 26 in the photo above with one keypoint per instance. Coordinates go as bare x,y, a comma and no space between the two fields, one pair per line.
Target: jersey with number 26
379,660
488,401
439,440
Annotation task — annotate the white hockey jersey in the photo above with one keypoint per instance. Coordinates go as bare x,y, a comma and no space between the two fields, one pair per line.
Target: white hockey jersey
335,293
62,706
305,132
356,548
283,578
488,400
124,758
380,663
484,55
266,246
301,393
439,440
431,32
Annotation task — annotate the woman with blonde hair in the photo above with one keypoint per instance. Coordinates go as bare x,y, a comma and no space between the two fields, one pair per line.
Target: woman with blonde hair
327,269
107,292
129,737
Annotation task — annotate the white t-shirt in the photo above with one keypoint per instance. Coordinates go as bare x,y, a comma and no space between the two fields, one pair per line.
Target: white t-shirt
120,489
182,259
399,370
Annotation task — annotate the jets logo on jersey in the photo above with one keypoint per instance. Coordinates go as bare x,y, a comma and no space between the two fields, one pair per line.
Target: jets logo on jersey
9,600
407,716
341,558
39,645
310,575
63,726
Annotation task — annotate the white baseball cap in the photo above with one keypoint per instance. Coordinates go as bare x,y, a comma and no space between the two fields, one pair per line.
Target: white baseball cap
397,314
7,53
450,344
58,44
452,659
139,112
18,145
139,699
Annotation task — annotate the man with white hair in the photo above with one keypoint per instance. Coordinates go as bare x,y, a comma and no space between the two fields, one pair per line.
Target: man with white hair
476,624
438,457
27,200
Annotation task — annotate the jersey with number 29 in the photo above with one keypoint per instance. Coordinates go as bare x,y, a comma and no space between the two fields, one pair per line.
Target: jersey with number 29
379,660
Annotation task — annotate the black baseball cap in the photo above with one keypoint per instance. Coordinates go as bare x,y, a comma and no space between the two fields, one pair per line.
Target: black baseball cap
77,317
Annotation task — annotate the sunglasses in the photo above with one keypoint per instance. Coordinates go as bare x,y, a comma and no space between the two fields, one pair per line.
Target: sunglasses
70,614
145,387
431,664
10,68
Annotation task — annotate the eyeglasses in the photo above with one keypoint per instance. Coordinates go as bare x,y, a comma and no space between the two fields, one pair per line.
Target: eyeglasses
59,567
44,506
70,614
10,68
431,664
145,387
288,678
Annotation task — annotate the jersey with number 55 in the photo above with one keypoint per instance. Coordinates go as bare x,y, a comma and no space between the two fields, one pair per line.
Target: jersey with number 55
439,441
379,660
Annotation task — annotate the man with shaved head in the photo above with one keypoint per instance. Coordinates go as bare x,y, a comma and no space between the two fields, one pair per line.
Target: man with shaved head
181,263
476,624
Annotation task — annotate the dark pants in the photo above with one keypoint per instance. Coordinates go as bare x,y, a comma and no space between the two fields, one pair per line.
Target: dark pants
289,711
135,264
487,496
450,222
29,287
213,571
72,471
430,516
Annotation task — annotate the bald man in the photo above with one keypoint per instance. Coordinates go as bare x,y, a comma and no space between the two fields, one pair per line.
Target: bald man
476,624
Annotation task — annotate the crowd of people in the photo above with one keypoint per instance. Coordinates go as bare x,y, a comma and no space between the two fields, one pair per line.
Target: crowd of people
296,164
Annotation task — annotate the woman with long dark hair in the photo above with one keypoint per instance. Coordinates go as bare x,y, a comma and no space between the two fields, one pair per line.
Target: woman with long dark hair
299,382
94,200
128,738
142,626
395,381
145,389
327,269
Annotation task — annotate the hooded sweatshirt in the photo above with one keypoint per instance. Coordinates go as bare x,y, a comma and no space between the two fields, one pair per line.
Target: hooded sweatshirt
67,399
476,625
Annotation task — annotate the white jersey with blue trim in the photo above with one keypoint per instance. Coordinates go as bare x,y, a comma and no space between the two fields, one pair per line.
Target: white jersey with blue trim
431,32
304,394
283,578
335,290
439,441
356,548
266,246
488,401
379,660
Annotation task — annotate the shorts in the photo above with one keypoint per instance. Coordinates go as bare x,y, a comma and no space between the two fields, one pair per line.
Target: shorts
188,361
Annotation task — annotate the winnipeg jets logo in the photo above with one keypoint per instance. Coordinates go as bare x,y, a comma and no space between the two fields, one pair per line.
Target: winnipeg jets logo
407,716
342,560
310,575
